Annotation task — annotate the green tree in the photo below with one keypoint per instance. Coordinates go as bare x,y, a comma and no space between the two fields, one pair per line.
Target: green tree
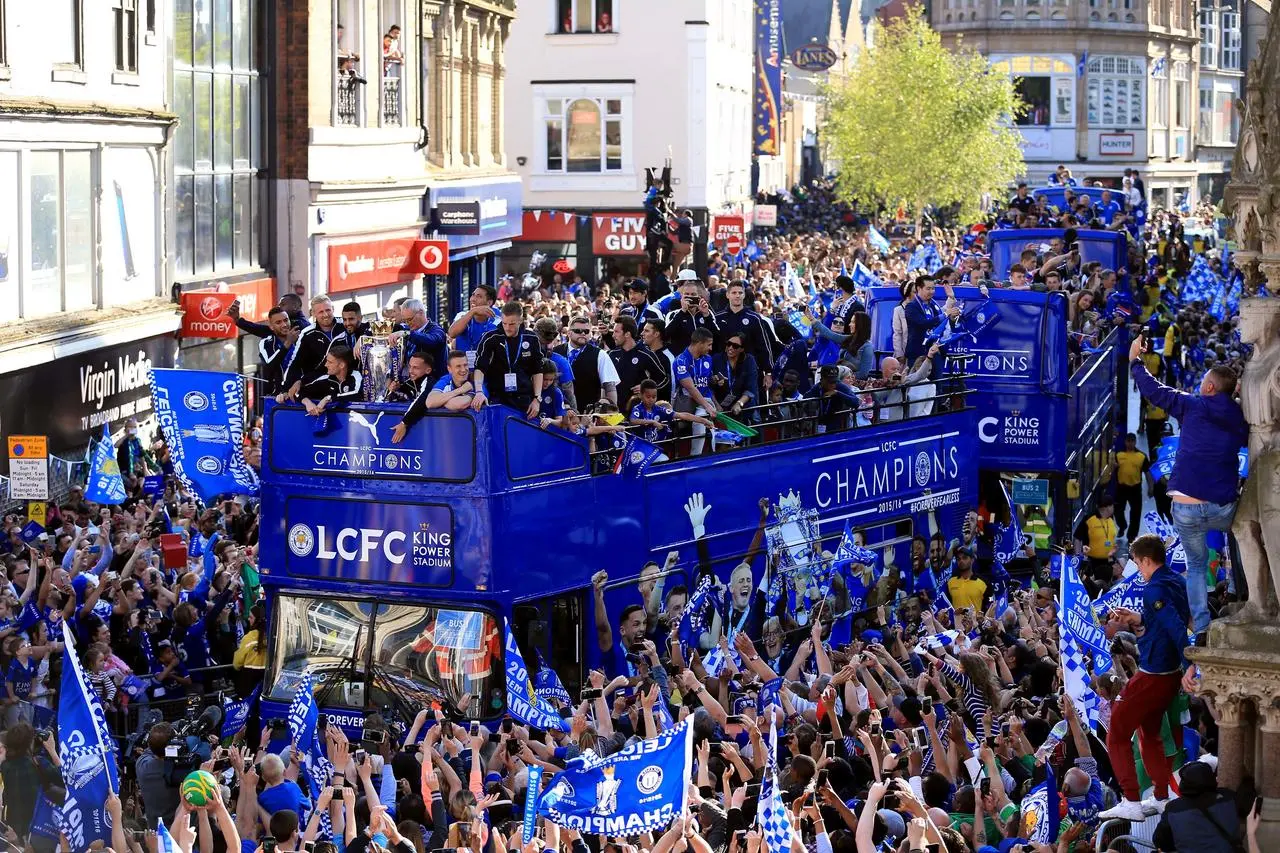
916,124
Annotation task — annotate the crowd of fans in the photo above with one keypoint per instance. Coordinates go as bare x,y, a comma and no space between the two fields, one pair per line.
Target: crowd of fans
926,727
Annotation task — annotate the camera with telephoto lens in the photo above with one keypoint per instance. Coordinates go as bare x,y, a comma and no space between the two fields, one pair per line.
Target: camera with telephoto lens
188,747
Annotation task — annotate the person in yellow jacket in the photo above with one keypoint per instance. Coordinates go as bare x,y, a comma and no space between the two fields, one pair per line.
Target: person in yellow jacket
1128,469
1096,540
250,660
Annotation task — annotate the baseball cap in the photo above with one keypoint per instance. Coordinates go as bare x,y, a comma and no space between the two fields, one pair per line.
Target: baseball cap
965,549
687,275
638,284
895,826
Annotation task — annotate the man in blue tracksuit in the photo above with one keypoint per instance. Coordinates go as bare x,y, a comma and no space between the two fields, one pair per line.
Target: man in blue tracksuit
1205,480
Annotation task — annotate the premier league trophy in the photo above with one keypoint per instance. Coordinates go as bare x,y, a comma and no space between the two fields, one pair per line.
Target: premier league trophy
381,357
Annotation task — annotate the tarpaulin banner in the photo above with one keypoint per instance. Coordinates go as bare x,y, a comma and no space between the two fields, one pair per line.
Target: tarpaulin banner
637,790
768,77
201,415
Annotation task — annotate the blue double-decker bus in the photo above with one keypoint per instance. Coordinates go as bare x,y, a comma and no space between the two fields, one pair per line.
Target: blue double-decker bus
391,567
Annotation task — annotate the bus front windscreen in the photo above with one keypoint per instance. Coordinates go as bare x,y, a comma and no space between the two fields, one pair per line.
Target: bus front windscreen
366,654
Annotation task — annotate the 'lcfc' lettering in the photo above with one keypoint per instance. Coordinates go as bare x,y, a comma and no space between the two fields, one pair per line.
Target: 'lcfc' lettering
352,544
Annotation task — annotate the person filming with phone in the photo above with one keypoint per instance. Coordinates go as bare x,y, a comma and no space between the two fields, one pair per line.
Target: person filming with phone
1205,482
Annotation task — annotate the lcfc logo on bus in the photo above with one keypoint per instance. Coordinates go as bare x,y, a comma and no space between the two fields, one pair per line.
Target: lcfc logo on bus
349,543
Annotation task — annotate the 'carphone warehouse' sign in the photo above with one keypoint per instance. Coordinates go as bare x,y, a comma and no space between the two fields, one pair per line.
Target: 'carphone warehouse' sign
366,541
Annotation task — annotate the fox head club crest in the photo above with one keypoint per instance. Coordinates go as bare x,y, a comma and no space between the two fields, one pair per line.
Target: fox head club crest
301,540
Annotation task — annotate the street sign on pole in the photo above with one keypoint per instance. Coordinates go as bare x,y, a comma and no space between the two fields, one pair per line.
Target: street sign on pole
730,231
28,467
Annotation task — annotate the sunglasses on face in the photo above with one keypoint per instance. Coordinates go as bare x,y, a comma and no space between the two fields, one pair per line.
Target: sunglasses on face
733,345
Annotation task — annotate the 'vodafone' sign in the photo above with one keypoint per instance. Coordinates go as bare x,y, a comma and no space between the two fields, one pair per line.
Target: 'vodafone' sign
372,263
429,257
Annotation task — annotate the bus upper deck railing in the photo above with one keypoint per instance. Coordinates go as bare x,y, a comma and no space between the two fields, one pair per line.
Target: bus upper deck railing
785,421
478,450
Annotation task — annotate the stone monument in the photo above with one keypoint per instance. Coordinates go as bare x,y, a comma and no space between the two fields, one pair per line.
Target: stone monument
1240,665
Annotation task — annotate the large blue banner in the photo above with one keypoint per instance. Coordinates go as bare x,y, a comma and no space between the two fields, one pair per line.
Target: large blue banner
88,755
358,443
635,791
523,702
768,77
362,540
202,417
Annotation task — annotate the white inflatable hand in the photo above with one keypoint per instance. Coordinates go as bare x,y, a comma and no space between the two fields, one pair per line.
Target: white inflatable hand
697,512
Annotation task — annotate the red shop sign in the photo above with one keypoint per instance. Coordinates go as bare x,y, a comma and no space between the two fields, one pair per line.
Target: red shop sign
372,263
617,233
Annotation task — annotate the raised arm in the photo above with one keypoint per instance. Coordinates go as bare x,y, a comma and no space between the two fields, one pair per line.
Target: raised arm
604,631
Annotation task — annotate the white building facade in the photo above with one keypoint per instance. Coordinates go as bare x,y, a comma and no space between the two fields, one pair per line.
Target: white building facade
1115,84
83,291
597,91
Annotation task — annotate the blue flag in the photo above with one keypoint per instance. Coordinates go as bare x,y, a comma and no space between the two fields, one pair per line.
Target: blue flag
1081,622
863,277
638,790
1127,594
877,240
1009,541
1059,562
302,718
165,840
977,317
153,486
1040,815
860,567
693,620
201,415
548,685
105,485
636,455
523,701
772,815
236,713
88,755
31,531
769,695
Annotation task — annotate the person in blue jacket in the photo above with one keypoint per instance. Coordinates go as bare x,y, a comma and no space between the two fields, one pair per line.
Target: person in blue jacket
1162,640
923,315
422,334
1205,482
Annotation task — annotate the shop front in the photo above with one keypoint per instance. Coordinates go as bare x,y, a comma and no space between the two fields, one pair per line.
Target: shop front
479,219
70,397
369,269
618,245
548,243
